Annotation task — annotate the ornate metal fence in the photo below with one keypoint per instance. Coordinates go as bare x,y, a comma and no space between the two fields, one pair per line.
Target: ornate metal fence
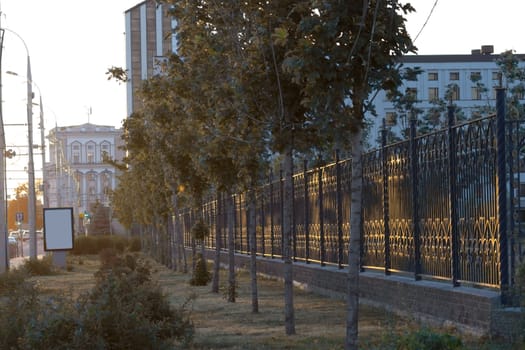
434,206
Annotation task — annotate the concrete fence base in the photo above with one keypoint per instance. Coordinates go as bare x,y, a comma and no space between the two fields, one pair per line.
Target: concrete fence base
468,310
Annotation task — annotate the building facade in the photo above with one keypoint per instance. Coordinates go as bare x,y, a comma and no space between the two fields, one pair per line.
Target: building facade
76,175
468,81
149,41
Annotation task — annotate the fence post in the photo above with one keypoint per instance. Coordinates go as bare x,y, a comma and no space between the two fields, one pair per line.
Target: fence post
281,188
272,232
263,222
306,213
294,228
339,203
386,204
502,194
453,196
239,217
321,215
414,171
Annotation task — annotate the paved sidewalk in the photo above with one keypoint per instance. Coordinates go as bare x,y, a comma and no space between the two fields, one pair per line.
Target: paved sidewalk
15,263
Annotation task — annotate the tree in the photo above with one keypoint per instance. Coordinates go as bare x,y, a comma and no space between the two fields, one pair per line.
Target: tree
345,52
19,205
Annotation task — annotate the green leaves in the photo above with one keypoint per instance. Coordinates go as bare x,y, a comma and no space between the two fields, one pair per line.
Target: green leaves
280,36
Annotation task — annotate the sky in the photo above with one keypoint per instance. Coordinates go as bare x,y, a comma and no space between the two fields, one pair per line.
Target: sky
72,43
458,26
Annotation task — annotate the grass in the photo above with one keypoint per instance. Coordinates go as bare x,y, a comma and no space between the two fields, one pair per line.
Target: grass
320,321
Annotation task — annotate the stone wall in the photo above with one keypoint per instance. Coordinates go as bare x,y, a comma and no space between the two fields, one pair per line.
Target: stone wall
468,310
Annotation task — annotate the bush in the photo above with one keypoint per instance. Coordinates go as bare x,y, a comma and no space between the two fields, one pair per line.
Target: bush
125,310
201,275
90,245
428,340
200,230
18,304
39,267
134,244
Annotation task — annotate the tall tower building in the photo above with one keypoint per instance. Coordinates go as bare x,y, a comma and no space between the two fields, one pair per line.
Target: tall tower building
149,41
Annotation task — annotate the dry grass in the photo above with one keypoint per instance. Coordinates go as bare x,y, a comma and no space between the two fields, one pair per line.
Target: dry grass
320,321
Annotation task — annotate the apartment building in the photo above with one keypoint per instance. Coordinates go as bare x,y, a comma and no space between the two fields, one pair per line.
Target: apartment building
148,43
468,80
76,175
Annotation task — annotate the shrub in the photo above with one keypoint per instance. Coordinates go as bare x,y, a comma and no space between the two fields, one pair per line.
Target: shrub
39,267
89,245
200,230
18,304
428,340
201,275
125,310
134,244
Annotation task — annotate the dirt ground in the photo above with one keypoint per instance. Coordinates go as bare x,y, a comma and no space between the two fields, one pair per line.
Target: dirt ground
219,324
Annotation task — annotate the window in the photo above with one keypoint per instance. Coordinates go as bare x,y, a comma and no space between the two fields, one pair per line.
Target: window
476,93
391,118
433,94
522,190
75,153
432,76
454,75
411,93
475,76
104,150
453,92
495,75
90,153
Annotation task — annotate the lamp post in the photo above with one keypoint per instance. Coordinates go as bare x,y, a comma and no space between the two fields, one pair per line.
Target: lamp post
4,253
42,137
31,206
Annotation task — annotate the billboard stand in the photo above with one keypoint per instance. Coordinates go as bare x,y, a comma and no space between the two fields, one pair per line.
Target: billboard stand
59,259
58,233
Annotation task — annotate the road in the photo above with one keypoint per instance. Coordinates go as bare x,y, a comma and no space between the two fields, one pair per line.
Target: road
22,252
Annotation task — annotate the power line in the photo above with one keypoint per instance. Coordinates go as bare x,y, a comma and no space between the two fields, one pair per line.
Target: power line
426,21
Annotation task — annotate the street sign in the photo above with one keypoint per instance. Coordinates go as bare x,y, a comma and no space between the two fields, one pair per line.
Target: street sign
19,217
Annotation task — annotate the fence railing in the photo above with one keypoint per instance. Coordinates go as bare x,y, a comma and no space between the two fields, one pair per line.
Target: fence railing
432,207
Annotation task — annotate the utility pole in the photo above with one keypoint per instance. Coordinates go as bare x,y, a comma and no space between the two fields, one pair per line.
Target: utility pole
31,210
4,253
45,204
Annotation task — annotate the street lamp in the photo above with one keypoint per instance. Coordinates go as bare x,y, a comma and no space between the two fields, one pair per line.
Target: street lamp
42,137
4,253
31,210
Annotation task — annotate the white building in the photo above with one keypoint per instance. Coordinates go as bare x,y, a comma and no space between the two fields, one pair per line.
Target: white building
462,78
76,174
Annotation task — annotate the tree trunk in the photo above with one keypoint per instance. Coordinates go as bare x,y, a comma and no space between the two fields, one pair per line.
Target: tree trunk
354,251
175,258
253,249
231,249
218,243
289,315
182,248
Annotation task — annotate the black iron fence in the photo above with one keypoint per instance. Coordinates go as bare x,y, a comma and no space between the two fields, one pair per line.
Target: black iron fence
445,205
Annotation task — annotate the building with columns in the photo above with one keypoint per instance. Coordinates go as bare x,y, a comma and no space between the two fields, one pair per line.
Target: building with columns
76,175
